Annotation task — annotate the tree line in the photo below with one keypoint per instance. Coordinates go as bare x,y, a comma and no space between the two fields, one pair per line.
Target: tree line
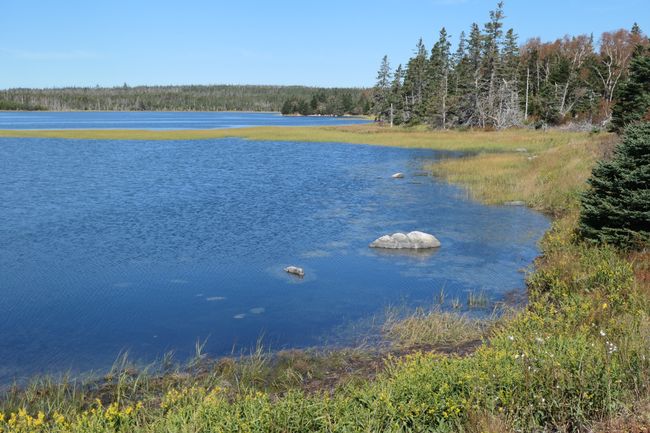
491,81
333,103
183,98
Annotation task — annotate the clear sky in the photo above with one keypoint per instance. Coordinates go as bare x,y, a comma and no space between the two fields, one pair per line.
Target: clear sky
326,43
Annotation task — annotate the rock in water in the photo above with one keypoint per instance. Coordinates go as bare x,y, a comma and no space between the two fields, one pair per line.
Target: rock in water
413,240
295,271
398,176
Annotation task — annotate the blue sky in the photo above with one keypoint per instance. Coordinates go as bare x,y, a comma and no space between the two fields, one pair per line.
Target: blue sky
328,43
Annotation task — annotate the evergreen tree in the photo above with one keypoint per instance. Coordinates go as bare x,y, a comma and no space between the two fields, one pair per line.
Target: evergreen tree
491,89
469,107
633,101
616,210
510,57
415,84
397,96
438,84
381,91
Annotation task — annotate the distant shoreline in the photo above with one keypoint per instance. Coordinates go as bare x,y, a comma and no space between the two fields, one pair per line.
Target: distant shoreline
347,116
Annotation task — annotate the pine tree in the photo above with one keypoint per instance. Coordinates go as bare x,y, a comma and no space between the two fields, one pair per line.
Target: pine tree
633,101
616,210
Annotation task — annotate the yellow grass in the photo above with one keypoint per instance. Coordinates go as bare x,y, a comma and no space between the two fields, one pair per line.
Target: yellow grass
549,180
467,141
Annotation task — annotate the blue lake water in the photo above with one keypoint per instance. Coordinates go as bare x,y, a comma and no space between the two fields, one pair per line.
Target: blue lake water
159,120
150,245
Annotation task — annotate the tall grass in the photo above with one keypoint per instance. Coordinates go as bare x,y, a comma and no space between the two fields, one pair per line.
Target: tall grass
428,328
548,180
465,141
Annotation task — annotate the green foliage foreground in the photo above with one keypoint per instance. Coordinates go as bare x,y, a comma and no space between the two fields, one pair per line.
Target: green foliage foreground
578,356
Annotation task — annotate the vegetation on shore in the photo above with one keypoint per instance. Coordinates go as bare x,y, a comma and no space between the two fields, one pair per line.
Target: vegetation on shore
577,358
332,104
14,106
490,80
373,134
175,98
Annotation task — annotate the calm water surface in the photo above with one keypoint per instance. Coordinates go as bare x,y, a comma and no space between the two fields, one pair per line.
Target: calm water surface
151,245
159,120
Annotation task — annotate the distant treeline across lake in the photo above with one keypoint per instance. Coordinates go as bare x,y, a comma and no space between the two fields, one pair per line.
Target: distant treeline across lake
324,101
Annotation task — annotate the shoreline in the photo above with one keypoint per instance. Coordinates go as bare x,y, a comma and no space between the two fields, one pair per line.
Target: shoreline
370,134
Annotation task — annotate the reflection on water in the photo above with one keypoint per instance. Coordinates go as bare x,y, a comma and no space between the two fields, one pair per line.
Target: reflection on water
147,246
422,254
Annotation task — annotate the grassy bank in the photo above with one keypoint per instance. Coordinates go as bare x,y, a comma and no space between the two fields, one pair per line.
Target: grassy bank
576,359
467,141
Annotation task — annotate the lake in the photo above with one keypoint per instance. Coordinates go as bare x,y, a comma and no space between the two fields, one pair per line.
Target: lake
147,246
160,120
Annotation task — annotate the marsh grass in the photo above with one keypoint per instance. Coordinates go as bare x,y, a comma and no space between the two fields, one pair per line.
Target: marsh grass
432,327
463,141
549,180
477,299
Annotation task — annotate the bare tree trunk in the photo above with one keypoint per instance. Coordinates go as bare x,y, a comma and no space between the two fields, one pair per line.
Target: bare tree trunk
527,80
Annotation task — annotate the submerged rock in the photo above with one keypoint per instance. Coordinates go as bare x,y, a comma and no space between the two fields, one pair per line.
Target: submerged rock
295,271
398,176
413,240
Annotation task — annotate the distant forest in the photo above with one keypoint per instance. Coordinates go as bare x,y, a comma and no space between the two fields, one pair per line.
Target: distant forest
491,81
328,101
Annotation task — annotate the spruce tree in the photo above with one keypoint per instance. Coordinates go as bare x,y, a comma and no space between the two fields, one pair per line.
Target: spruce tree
381,91
415,83
397,96
616,210
633,101
438,81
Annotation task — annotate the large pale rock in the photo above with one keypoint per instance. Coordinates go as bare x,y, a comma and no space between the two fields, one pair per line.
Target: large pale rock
413,240
295,271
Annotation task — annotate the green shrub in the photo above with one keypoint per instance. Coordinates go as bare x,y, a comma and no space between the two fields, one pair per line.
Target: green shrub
616,210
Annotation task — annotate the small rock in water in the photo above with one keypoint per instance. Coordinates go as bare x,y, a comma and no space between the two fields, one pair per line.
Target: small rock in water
398,176
412,240
295,271
515,203
238,316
